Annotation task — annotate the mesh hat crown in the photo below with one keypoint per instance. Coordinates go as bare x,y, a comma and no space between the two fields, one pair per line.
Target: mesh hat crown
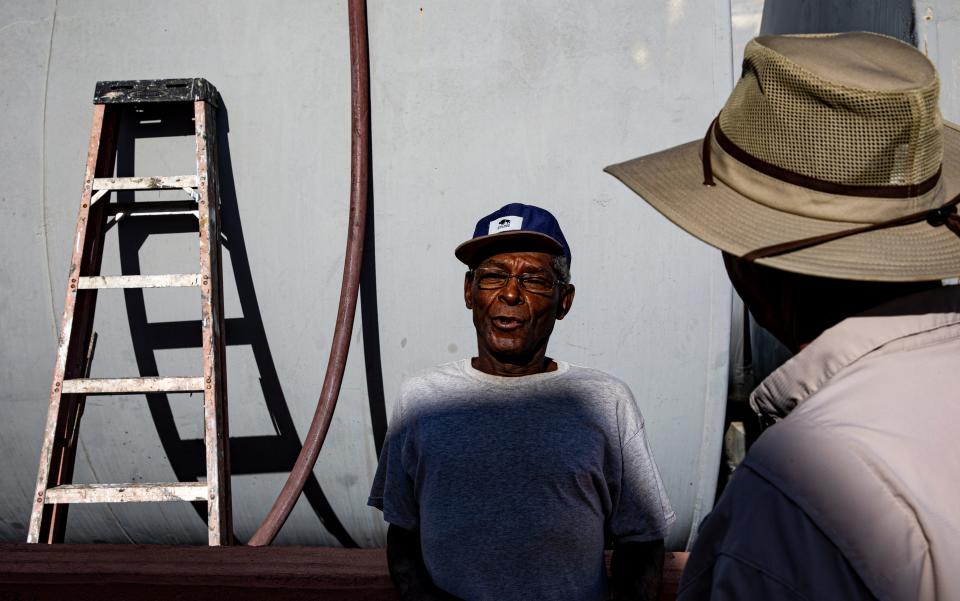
829,158
839,116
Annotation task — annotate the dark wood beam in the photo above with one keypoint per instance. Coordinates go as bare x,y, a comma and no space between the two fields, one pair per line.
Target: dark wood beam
162,572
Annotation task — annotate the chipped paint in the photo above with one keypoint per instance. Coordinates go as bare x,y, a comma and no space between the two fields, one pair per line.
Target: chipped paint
134,492
160,182
173,280
132,385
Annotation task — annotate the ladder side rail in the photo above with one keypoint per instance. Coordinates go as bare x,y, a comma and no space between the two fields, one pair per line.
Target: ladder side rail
65,453
216,246
219,526
56,458
217,275
84,313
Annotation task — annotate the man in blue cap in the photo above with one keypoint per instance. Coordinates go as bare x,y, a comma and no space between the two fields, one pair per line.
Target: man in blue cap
505,475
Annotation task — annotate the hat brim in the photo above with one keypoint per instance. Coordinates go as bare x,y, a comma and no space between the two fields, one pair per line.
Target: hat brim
473,251
671,182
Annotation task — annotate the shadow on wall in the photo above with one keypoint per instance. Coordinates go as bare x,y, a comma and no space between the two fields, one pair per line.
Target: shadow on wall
248,454
895,18
370,318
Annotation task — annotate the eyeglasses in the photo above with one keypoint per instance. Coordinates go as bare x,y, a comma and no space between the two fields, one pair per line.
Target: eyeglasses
531,282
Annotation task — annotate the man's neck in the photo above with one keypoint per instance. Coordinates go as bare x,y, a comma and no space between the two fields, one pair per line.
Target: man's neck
490,365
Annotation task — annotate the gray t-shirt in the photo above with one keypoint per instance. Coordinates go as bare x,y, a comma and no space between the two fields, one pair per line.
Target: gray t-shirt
513,483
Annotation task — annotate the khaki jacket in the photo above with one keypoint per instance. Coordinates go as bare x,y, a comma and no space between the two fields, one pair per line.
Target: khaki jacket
871,448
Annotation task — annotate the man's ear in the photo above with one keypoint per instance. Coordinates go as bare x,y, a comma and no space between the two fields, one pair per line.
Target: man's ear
566,300
468,290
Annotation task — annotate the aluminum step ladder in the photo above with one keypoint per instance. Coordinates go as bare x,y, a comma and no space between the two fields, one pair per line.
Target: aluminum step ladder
71,382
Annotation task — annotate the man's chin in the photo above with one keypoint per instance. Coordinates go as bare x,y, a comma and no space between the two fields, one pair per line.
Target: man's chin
506,347
512,355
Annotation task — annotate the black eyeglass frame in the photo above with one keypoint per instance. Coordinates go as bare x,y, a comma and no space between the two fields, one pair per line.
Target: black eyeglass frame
520,277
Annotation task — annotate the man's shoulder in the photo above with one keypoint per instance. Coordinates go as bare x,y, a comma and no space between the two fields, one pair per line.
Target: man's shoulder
431,385
597,377
443,370
608,392
435,377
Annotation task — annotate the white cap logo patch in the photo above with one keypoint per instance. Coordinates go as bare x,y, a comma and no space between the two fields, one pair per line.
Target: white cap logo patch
505,224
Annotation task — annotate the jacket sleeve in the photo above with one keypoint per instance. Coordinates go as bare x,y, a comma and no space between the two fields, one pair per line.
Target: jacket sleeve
758,544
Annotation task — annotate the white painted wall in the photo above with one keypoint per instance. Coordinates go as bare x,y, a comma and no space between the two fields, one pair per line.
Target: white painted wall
474,105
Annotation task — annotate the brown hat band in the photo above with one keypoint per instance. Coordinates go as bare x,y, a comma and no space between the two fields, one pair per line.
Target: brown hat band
946,214
797,179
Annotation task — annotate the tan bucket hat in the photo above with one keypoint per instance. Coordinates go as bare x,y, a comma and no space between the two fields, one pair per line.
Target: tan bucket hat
829,158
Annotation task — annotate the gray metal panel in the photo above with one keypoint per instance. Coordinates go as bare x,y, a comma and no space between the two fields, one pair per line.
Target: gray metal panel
474,105
26,319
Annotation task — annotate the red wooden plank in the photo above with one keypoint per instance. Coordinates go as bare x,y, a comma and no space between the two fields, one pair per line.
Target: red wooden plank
161,572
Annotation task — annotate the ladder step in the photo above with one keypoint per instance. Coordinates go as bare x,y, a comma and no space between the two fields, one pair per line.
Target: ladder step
158,182
158,207
126,493
172,280
125,385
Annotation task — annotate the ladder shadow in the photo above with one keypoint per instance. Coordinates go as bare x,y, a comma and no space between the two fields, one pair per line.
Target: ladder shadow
248,454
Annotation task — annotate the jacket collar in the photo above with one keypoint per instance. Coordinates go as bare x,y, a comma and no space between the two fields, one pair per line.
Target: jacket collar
883,328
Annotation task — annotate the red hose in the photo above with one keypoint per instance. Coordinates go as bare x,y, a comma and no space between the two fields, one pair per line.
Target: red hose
359,181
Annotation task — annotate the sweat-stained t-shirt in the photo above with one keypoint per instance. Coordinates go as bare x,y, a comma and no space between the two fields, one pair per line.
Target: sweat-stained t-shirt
514,482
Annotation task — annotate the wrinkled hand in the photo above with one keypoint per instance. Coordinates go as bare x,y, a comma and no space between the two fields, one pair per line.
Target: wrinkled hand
637,568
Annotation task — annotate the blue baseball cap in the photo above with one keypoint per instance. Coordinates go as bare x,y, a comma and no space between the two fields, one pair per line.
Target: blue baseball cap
527,226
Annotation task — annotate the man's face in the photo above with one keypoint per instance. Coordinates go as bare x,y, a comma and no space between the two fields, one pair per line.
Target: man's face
514,324
796,308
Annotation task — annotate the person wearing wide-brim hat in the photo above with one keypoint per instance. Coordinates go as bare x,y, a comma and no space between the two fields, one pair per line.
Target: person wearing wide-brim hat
831,183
